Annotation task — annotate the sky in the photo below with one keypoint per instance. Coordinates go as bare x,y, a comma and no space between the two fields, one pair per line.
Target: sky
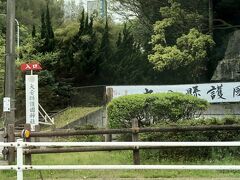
116,17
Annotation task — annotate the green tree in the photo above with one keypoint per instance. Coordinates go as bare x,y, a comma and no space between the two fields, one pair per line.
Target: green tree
43,26
178,42
28,12
47,31
129,63
33,31
49,41
83,53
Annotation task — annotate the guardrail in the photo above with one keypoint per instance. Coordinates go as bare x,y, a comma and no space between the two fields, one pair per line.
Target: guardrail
20,145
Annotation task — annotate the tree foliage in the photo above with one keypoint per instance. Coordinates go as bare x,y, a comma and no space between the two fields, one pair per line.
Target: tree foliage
172,48
153,108
95,51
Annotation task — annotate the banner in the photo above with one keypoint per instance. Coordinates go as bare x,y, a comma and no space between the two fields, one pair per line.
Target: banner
212,92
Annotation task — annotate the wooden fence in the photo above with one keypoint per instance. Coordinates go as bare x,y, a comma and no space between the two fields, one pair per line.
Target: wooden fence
11,135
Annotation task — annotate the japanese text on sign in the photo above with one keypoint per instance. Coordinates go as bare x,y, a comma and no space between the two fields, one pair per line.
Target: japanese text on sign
32,100
212,92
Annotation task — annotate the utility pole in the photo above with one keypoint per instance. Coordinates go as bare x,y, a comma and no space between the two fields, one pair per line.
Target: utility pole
9,89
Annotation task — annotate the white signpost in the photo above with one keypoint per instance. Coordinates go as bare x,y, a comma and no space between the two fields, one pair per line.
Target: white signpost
32,101
6,104
212,92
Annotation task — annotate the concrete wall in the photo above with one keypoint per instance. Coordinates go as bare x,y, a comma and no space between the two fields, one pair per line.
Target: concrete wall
221,110
95,119
88,96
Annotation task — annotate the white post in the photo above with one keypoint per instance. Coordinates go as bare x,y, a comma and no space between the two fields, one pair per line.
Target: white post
19,159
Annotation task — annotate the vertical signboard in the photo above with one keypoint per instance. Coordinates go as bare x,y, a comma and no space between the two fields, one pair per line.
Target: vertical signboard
6,104
32,100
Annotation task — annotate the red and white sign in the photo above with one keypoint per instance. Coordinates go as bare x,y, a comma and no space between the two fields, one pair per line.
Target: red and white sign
31,66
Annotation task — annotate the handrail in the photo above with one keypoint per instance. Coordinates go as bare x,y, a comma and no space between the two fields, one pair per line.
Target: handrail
46,116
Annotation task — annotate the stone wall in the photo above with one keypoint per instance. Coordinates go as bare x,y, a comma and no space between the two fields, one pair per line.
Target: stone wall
228,69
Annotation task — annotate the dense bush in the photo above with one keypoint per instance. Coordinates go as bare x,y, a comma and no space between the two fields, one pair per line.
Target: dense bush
153,108
83,138
194,153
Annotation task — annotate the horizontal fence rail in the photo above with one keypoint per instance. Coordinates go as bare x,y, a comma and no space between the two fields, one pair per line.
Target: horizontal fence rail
132,130
20,145
134,167
134,144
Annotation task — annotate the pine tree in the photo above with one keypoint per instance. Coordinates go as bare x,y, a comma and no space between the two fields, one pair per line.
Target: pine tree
49,24
90,26
86,25
83,52
105,43
33,31
82,22
49,40
119,40
43,26
103,61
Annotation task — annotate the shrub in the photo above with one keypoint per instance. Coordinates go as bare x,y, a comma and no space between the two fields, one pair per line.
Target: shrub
123,109
174,106
152,108
193,153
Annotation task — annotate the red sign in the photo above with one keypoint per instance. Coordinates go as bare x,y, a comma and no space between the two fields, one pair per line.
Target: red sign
31,66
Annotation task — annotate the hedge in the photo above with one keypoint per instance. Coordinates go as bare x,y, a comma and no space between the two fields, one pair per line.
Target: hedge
153,108
193,153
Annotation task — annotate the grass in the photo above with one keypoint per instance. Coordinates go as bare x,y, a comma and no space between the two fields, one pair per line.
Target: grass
71,115
110,158
113,158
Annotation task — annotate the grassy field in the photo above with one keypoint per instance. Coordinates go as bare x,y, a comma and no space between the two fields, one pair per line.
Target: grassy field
72,114
114,158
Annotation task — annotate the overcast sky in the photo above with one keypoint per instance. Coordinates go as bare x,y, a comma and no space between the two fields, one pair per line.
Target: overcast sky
116,17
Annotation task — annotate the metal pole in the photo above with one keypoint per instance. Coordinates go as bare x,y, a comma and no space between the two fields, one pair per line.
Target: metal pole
19,159
10,62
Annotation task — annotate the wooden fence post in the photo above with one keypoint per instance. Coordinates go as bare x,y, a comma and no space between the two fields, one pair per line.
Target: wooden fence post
28,157
37,129
109,96
135,137
11,138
